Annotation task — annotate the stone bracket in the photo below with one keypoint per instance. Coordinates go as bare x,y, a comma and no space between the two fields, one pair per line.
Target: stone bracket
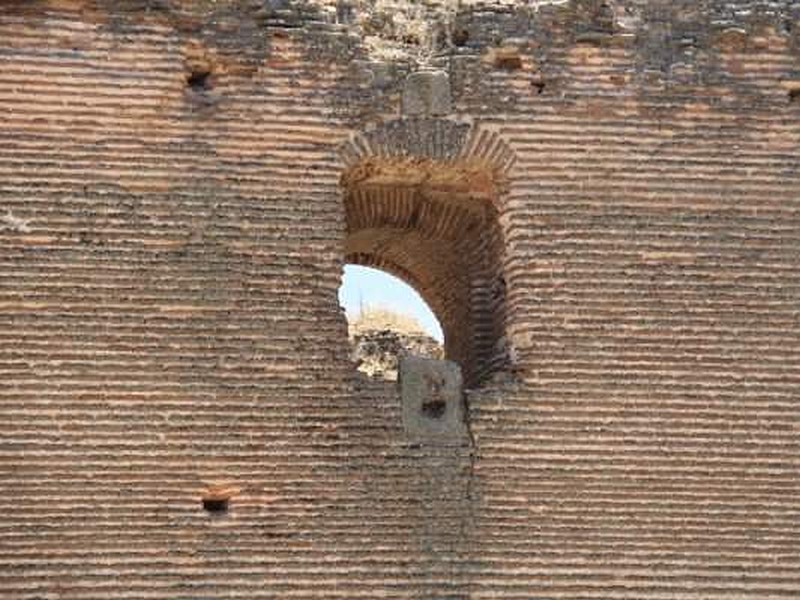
434,411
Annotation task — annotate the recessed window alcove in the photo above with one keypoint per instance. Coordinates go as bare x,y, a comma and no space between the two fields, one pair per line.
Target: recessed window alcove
422,199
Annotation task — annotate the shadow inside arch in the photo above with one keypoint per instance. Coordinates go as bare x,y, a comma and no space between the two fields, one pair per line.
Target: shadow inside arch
422,199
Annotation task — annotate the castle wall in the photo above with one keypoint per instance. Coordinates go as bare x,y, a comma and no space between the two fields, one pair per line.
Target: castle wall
171,243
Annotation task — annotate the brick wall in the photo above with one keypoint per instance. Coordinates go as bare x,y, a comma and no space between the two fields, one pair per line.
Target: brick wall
172,233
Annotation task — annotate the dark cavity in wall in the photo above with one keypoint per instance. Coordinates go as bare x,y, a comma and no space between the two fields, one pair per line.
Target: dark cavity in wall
199,80
434,409
460,37
215,506
216,499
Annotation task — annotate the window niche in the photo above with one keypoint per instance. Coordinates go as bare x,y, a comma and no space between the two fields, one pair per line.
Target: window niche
424,206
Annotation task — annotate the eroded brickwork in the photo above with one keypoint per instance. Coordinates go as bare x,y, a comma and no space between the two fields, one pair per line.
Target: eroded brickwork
172,231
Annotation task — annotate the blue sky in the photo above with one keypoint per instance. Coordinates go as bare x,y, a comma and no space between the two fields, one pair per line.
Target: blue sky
363,286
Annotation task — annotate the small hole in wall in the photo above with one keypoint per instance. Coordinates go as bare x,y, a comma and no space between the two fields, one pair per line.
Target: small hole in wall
199,80
216,506
434,409
794,95
538,86
217,498
460,37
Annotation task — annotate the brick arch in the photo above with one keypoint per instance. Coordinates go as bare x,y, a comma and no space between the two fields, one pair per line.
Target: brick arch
427,267
422,199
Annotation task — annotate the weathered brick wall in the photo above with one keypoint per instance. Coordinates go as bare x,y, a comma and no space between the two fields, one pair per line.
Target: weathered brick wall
171,239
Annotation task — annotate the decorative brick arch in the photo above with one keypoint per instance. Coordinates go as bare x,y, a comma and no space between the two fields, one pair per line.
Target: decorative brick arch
422,198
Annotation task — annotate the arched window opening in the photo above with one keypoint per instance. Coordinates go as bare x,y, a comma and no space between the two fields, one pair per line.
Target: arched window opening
386,318
434,224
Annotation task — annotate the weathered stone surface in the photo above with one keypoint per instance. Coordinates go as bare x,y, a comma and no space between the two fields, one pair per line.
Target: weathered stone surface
433,401
427,93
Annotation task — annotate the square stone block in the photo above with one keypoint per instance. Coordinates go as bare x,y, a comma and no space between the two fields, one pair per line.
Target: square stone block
433,401
426,93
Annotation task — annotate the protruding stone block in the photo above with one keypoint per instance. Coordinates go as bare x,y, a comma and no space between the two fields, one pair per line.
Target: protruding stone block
433,403
427,93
